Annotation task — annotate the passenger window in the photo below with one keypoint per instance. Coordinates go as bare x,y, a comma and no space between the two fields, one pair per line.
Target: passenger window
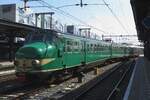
91,47
50,38
69,46
75,46
68,49
69,43
95,47
87,47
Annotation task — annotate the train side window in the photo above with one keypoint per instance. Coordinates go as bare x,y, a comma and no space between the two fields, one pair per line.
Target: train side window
88,47
69,43
72,46
103,47
99,47
80,46
94,47
75,43
75,46
69,46
68,49
65,46
91,47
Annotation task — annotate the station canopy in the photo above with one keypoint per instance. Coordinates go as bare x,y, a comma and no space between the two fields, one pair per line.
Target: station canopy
17,29
141,11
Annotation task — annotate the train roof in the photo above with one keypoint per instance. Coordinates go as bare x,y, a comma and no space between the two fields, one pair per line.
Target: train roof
134,46
71,36
92,40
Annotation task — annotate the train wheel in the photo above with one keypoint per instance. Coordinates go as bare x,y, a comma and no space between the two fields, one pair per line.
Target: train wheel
51,79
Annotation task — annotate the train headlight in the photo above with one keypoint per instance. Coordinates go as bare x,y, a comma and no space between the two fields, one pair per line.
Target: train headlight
16,63
35,62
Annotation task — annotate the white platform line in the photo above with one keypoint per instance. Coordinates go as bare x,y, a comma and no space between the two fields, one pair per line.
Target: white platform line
6,72
130,83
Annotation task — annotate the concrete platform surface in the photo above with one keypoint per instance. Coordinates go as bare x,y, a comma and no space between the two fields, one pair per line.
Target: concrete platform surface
139,85
6,63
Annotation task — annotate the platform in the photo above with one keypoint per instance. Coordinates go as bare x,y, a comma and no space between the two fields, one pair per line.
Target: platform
139,85
6,63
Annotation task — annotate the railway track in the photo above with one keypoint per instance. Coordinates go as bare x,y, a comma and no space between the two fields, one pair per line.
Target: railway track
6,67
29,90
25,90
106,88
120,85
7,72
59,92
21,90
7,75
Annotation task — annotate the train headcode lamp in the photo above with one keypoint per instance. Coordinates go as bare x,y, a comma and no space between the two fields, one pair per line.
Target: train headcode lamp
146,22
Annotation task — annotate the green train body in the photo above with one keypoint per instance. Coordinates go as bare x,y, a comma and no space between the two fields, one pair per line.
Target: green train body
52,51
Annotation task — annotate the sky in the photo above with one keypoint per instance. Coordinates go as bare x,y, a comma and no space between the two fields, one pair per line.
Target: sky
98,16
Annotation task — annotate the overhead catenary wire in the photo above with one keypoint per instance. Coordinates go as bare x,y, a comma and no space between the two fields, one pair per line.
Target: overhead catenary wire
115,16
123,13
85,4
69,15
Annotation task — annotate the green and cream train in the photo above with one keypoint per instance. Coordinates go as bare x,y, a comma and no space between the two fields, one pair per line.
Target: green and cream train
51,52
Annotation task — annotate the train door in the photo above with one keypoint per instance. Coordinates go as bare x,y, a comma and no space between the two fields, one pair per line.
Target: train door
60,48
110,48
67,52
125,51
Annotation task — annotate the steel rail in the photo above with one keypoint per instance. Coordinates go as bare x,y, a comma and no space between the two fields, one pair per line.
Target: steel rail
32,91
5,68
119,82
111,71
7,77
27,92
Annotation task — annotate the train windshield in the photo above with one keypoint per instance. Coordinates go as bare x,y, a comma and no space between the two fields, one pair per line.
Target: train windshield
35,38
49,38
38,38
